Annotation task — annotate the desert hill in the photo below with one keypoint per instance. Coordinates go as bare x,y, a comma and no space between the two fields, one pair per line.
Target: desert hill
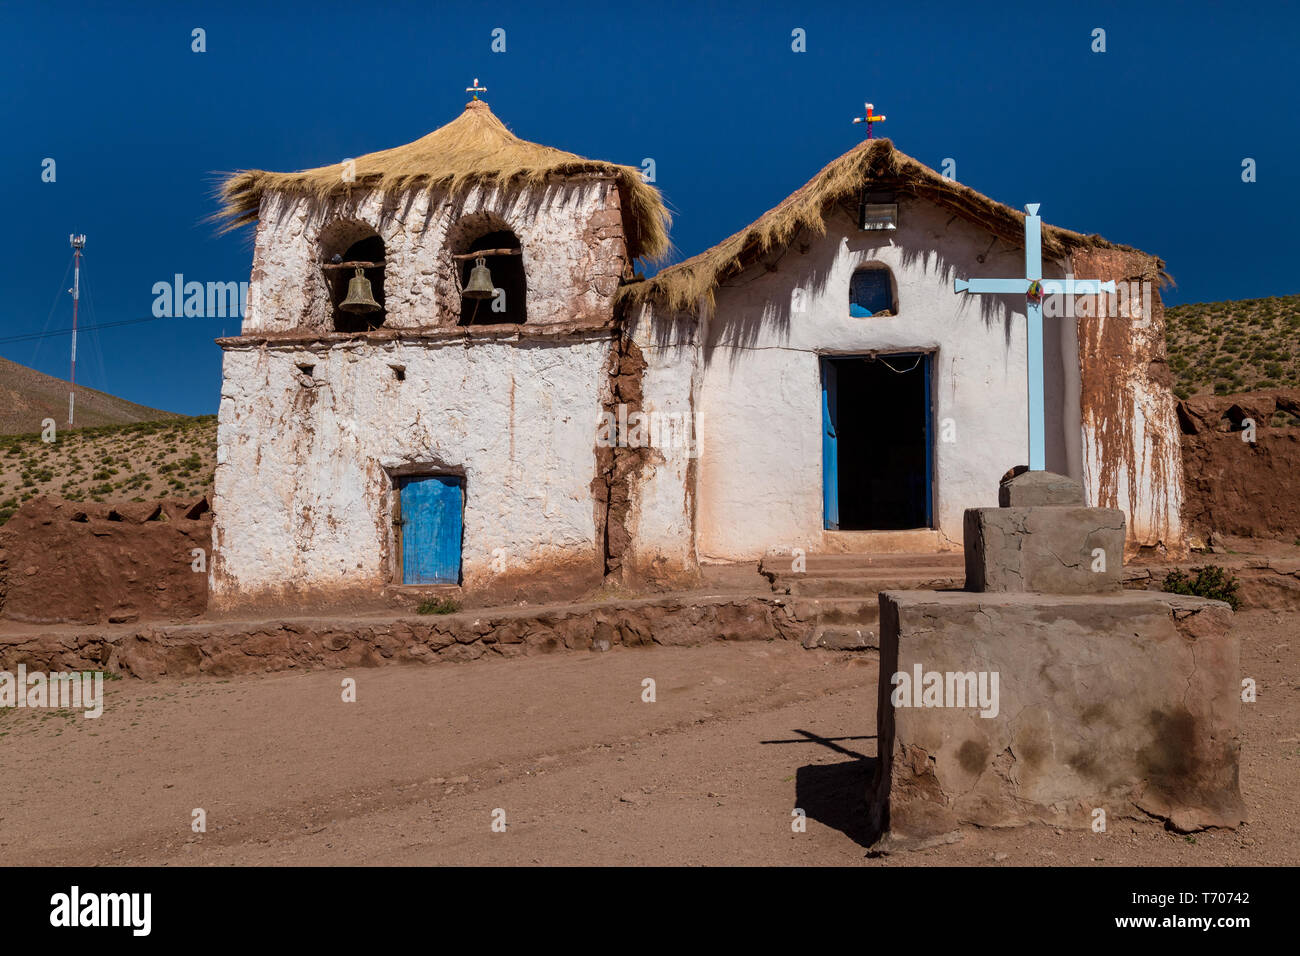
141,461
1226,347
28,397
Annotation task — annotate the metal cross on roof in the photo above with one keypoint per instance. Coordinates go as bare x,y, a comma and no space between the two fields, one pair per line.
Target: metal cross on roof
476,89
869,118
1034,287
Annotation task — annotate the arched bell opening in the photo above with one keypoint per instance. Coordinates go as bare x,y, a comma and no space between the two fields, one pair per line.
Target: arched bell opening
352,257
493,285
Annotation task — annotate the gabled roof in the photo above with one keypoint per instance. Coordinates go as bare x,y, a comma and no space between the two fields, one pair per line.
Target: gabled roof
474,147
875,162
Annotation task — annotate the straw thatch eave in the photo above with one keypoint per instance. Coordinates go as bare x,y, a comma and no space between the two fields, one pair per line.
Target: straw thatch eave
474,148
873,163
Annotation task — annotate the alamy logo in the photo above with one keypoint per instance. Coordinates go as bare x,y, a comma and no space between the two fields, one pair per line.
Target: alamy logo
199,300
923,688
648,429
1130,300
102,909
75,691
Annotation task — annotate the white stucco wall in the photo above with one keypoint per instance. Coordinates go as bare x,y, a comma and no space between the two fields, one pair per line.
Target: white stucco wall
759,396
570,233
304,495
303,498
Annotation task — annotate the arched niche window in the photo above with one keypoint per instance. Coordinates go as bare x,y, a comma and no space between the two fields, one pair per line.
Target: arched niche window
502,256
345,246
872,292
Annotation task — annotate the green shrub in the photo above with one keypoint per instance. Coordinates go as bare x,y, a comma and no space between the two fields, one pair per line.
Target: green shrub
1211,582
437,606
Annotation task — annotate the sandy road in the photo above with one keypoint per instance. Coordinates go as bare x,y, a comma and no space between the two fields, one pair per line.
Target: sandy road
584,770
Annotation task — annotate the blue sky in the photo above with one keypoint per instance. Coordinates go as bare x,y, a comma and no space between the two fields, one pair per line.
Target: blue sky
1143,143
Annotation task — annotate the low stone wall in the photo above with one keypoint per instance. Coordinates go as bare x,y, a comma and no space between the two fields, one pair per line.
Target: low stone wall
1263,582
235,647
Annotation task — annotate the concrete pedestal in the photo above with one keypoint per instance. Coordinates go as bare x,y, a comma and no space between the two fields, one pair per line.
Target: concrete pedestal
1127,703
1047,549
1045,693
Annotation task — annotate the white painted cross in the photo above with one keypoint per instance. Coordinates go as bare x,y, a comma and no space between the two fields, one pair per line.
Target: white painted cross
1034,287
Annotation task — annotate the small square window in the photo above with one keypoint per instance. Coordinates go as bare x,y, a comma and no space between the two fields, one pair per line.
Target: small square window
878,217
878,210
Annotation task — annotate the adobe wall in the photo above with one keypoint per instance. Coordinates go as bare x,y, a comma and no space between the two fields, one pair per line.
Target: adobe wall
1132,457
95,563
660,518
303,489
1236,486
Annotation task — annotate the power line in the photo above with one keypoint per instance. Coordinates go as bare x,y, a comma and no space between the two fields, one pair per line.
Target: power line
85,328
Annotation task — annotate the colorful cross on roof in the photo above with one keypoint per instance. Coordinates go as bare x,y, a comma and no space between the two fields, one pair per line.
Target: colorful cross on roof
1033,286
476,89
869,118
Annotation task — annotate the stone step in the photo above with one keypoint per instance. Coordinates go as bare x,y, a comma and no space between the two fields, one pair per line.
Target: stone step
874,573
854,611
864,585
913,541
780,562
844,637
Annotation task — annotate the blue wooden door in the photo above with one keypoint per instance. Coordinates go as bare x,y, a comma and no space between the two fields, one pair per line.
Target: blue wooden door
431,529
830,451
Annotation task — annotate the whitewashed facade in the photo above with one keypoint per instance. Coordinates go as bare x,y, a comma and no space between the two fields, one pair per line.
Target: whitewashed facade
318,428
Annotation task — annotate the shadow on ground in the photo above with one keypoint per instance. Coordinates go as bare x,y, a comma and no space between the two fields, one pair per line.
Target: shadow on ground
835,795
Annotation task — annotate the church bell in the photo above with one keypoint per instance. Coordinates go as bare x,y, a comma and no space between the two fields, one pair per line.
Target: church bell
480,281
359,297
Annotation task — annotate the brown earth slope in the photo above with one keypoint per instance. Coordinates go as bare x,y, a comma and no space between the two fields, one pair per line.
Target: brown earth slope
28,397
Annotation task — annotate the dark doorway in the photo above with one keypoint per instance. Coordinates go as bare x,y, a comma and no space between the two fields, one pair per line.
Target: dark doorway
877,463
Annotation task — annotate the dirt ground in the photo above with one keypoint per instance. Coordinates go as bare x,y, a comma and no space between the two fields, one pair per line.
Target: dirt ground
585,771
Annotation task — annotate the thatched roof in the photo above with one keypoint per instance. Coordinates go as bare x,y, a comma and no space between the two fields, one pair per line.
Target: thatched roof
474,147
875,162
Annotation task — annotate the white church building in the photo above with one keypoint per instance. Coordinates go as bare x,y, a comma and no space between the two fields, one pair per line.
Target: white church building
450,374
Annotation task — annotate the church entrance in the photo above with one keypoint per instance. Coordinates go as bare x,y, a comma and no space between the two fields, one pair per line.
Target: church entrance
877,442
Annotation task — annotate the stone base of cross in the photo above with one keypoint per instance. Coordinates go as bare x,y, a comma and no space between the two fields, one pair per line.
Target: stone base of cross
1034,287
